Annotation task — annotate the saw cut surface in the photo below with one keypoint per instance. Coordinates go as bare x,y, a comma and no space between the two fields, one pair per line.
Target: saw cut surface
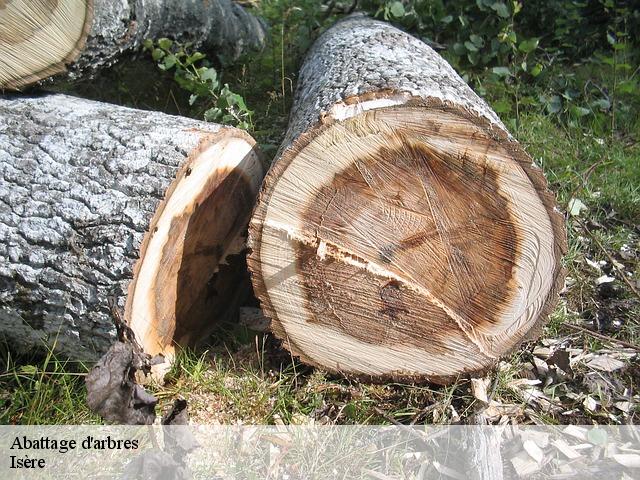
39,37
403,240
200,224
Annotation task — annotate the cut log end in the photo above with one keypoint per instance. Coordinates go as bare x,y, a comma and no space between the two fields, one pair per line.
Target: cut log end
405,238
39,38
194,236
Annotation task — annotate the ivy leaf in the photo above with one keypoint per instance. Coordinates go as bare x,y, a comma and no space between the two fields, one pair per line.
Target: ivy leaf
553,104
602,103
597,436
157,54
165,43
536,70
212,114
147,44
501,9
501,71
476,39
396,9
470,46
210,75
195,57
528,45
459,49
169,61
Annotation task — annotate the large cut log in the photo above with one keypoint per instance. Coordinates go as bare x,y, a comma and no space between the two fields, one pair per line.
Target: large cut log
101,203
41,38
401,231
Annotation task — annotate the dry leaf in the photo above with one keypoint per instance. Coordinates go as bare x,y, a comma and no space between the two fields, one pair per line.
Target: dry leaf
605,363
624,406
495,410
560,359
596,265
541,366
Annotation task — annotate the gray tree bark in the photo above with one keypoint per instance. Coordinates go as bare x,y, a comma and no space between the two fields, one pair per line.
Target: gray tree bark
360,55
220,26
114,27
81,182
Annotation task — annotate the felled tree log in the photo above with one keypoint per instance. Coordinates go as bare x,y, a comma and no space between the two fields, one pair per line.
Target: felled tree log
401,231
41,38
101,203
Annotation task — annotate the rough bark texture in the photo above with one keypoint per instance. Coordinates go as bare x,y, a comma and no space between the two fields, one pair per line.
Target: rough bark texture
360,56
401,231
81,184
113,27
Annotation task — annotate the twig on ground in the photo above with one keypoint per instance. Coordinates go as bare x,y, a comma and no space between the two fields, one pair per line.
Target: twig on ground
601,336
609,256
388,418
423,413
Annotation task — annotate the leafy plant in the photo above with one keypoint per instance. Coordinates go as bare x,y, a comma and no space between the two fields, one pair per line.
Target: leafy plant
195,74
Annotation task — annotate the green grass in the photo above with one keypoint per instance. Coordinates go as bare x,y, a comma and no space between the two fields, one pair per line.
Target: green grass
42,390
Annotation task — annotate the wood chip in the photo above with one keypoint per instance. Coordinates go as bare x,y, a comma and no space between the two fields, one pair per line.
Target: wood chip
479,389
542,352
540,438
576,432
629,460
566,449
533,450
449,472
524,465
590,404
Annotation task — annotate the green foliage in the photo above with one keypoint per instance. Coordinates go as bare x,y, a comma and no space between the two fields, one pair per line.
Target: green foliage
517,54
195,74
479,34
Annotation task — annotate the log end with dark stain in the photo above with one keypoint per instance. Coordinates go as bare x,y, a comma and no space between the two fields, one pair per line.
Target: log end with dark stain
411,241
435,222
